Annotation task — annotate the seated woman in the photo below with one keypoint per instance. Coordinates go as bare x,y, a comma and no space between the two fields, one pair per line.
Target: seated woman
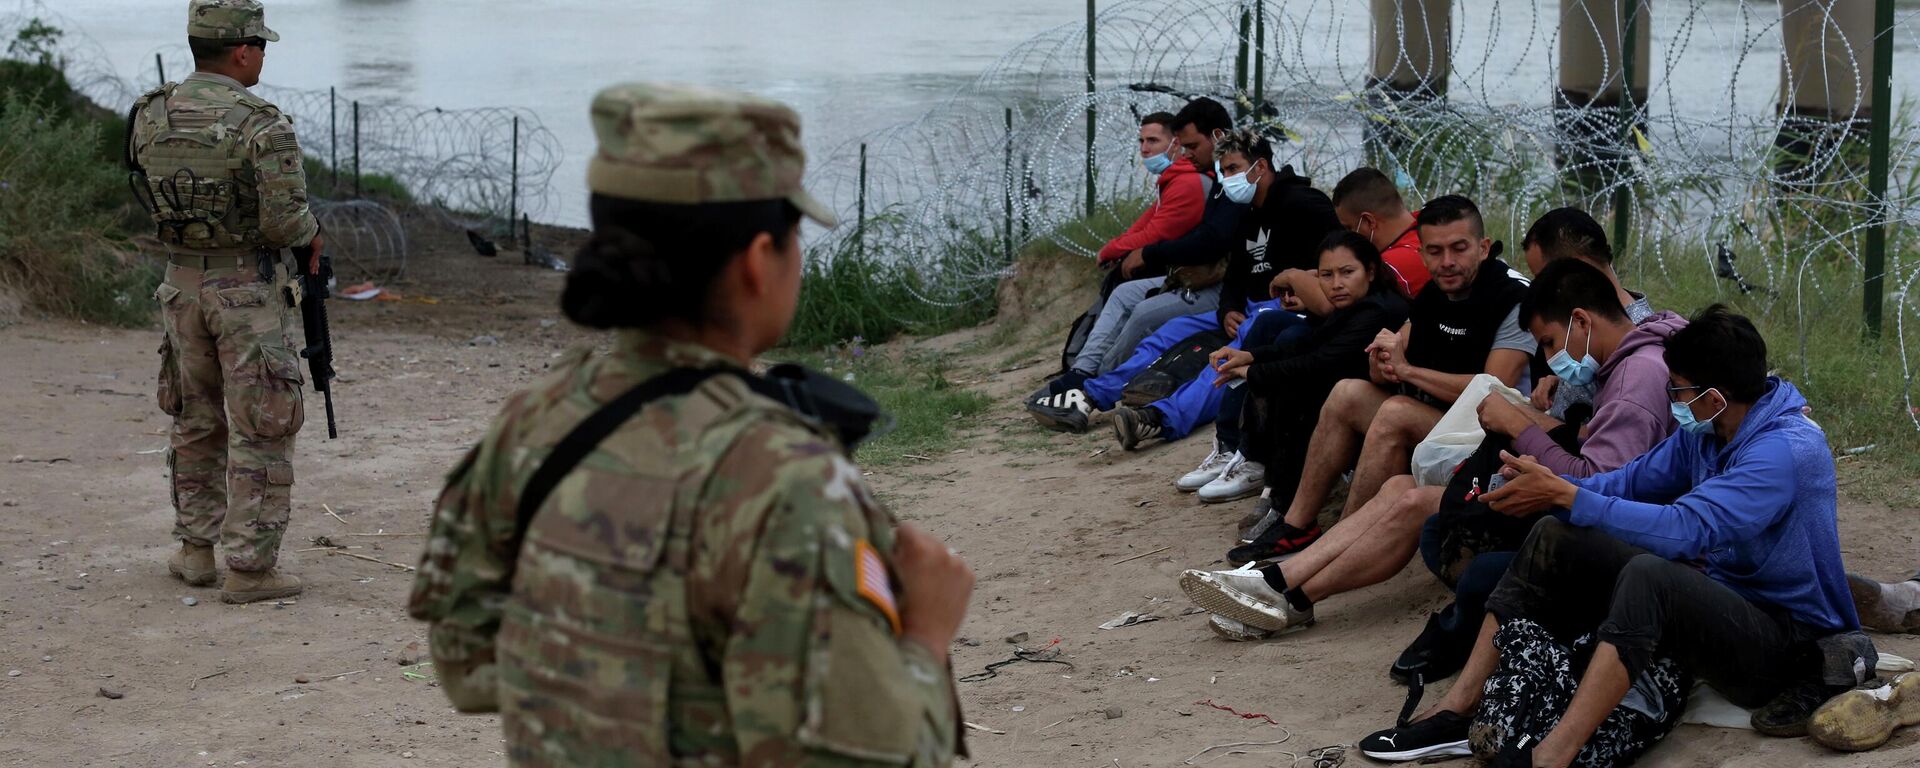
1287,383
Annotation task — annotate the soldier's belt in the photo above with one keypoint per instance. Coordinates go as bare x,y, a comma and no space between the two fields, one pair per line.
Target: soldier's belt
234,258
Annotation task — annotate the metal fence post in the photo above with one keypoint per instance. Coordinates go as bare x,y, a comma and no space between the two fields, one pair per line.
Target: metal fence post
1623,191
1090,113
860,212
333,137
513,196
1240,65
1259,54
1878,166
1006,189
161,66
356,148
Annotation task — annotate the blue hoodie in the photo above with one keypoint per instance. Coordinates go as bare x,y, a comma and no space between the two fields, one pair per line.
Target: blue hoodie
1759,510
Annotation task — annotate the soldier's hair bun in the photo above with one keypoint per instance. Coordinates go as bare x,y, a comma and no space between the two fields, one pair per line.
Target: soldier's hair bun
650,262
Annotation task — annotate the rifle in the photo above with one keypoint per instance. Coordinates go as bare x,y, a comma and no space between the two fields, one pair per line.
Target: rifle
314,276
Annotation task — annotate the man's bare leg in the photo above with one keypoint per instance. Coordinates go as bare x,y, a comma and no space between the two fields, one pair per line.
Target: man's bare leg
1398,425
1464,697
1354,530
1601,689
1387,546
1344,420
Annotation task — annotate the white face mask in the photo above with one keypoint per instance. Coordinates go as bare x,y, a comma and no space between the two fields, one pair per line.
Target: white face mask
1236,187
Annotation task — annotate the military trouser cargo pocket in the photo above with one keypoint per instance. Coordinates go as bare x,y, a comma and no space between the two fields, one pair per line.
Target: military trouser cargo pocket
267,406
167,391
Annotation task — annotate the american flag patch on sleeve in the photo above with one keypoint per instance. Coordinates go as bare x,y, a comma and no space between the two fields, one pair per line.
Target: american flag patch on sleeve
283,142
876,585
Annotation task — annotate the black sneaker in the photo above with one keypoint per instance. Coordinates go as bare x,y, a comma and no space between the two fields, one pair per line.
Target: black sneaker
1133,426
1787,715
1065,412
1278,543
1433,655
1442,735
1258,520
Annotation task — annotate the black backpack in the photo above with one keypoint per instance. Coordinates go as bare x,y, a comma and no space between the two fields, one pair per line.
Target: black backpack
1181,363
1083,325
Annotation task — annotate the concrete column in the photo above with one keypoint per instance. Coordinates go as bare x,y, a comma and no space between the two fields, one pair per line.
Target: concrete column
1829,58
1826,94
1412,46
1590,51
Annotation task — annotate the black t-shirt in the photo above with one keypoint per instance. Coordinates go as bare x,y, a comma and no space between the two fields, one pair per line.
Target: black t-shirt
1456,336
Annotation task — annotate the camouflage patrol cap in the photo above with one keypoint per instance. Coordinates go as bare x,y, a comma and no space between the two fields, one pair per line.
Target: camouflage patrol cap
684,144
229,20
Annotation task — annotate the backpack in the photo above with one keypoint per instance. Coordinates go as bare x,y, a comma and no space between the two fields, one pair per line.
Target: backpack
1534,682
1180,364
1468,526
1083,325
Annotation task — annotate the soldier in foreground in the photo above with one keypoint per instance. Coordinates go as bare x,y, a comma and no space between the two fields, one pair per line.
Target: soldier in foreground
655,557
219,169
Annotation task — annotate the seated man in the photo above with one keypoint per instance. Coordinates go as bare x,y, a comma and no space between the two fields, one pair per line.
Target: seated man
1466,321
1570,306
1366,202
1175,212
1282,231
1569,233
1718,549
1141,305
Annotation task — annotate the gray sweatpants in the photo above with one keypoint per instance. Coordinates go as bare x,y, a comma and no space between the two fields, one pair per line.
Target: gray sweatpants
1130,316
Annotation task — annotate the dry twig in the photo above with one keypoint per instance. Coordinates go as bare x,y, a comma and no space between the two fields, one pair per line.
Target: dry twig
370,559
1143,554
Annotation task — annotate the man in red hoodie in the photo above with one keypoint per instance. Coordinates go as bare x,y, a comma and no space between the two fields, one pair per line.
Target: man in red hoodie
1182,201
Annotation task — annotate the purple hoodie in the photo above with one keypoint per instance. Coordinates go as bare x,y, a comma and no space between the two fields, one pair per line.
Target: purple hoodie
1630,411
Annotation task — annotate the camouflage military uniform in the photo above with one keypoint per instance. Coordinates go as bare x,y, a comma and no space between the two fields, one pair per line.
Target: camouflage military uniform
229,374
710,586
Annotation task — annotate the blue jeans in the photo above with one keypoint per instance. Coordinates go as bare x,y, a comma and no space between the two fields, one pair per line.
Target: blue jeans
1460,621
1199,401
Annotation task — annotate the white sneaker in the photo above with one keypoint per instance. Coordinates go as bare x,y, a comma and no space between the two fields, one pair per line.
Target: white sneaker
1243,479
1235,631
1244,596
1211,469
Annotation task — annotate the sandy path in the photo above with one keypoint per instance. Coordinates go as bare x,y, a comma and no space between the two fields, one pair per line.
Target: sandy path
83,541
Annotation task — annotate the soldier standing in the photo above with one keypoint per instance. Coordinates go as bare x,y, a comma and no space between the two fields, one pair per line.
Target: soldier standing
220,170
655,557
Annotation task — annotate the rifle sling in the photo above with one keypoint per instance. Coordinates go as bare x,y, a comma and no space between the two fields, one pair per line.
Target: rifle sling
597,426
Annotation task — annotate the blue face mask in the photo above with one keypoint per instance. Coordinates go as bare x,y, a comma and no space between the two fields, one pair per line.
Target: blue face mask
1580,373
1235,187
1158,164
1683,415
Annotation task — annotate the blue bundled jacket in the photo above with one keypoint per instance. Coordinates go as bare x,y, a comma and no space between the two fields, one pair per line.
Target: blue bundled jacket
1758,511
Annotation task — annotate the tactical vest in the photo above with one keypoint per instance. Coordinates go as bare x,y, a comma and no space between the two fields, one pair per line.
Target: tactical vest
1455,336
190,180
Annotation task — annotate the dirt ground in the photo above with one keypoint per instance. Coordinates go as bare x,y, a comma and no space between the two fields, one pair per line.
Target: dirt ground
1048,523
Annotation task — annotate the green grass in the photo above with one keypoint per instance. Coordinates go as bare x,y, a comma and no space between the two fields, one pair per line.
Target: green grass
927,407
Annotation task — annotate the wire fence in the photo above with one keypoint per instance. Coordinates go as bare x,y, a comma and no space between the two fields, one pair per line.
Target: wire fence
1712,183
482,169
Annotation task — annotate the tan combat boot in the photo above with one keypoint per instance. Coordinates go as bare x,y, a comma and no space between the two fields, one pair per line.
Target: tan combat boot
247,587
193,564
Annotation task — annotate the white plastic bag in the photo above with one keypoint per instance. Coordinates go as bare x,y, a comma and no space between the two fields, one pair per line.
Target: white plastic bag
1458,433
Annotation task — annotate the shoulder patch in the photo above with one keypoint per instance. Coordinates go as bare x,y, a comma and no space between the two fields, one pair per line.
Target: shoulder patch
283,141
876,585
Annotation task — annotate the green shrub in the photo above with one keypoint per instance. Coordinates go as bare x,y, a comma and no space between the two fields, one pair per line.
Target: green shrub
59,245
